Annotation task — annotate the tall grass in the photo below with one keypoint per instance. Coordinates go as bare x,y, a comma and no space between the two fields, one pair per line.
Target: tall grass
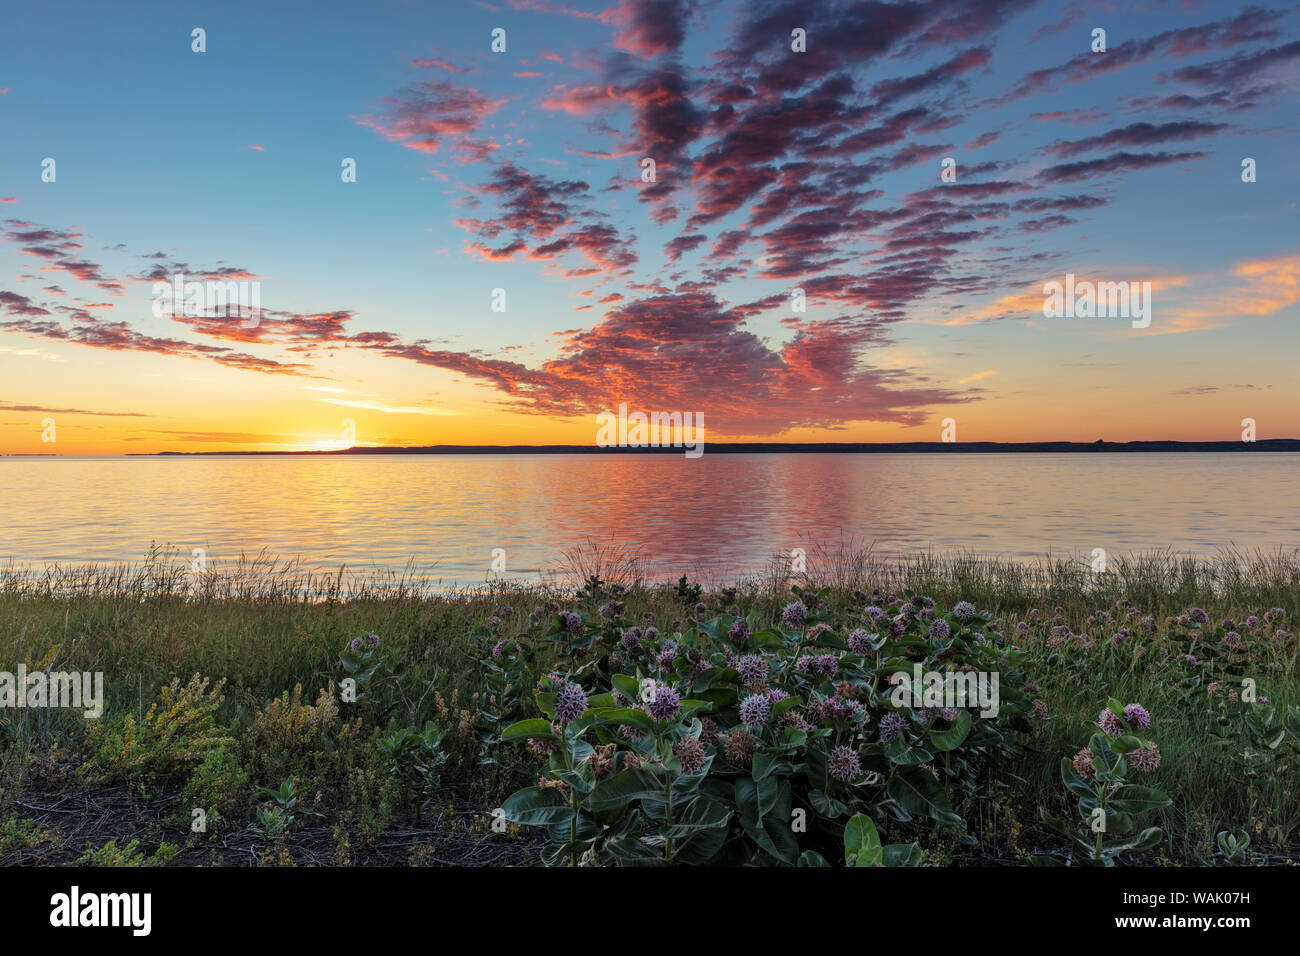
266,626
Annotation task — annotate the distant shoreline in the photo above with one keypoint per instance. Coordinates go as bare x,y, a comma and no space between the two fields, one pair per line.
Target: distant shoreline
785,448
763,448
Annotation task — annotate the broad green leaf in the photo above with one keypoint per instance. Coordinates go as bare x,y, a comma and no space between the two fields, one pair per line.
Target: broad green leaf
702,813
536,806
862,841
1132,798
827,806
626,715
906,754
623,788
525,729
952,738
919,793
901,854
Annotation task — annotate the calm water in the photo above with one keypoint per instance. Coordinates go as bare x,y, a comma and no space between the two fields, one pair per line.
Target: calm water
716,516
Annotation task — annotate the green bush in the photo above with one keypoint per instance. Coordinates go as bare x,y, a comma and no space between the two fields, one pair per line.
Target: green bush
727,744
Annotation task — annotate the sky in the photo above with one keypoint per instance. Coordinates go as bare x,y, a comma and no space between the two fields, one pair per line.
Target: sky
507,265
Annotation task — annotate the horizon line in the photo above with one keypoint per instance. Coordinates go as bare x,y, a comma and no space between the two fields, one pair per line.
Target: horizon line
921,447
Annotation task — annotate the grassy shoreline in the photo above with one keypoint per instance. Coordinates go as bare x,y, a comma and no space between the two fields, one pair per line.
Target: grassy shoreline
270,712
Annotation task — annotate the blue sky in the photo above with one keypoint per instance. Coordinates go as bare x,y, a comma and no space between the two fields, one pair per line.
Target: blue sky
155,151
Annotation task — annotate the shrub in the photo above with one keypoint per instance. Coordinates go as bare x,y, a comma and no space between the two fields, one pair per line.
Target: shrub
291,738
176,734
734,744
217,785
110,854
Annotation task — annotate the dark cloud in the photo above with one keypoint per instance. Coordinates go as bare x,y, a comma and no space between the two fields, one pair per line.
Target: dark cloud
1117,163
1137,134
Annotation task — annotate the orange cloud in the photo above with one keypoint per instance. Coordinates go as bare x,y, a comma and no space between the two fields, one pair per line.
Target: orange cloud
1029,304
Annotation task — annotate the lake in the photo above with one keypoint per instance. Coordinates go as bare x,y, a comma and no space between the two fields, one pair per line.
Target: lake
715,517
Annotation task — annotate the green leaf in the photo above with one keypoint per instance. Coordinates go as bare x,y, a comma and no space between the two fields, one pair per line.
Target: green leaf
624,787
1132,798
1126,744
701,848
827,806
862,842
626,685
692,707
525,729
1143,841
811,858
918,792
630,851
953,737
906,754
772,834
536,806
901,854
1075,783
702,813
765,765
626,715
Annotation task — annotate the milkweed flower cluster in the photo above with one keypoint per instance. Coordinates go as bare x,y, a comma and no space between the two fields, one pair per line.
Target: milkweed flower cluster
1083,765
820,665
740,747
755,710
570,702
1137,715
690,754
667,654
810,699
664,703
838,708
795,615
1111,723
753,670
739,631
891,725
843,764
1146,758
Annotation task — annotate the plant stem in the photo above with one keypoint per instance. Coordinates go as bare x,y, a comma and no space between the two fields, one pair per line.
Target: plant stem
668,819
573,828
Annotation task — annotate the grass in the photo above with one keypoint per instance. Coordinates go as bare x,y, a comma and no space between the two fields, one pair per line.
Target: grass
273,634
